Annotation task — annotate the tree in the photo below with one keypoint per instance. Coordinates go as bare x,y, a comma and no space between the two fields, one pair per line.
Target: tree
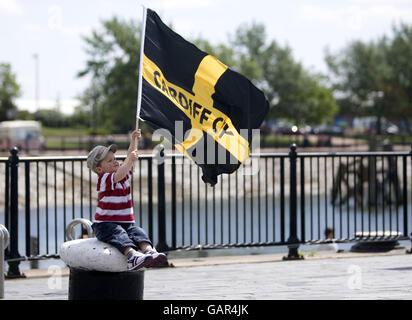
293,92
375,78
360,71
9,90
113,67
399,55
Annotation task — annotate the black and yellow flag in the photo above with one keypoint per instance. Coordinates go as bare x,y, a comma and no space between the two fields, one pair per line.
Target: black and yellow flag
209,109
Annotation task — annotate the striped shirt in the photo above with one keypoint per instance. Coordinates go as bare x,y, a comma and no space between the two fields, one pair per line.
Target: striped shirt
115,199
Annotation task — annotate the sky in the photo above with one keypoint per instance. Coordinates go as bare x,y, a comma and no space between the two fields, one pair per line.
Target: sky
54,30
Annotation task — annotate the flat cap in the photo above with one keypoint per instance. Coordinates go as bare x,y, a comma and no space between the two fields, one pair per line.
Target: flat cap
97,154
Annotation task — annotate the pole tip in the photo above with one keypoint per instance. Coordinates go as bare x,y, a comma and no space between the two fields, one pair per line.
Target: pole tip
14,151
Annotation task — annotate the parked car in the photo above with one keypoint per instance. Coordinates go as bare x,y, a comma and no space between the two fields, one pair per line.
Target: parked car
328,129
390,130
26,135
288,129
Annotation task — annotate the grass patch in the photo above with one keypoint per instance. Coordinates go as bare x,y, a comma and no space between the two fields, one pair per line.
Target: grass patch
279,141
64,132
400,139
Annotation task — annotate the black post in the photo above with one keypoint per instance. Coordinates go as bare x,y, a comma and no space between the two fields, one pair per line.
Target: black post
302,199
282,199
174,201
161,245
7,204
28,222
405,215
14,271
99,285
293,241
150,194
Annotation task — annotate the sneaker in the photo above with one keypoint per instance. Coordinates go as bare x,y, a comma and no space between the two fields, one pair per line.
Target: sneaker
157,260
138,261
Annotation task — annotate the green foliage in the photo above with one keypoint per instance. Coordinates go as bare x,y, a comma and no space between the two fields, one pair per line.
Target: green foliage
54,118
24,115
63,132
399,60
113,64
9,90
51,118
81,117
295,93
375,78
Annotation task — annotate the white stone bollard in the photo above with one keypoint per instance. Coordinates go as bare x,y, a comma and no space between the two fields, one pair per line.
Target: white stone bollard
92,254
4,242
98,271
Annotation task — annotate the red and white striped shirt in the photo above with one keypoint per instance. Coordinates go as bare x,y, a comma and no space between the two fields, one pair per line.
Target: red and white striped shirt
115,199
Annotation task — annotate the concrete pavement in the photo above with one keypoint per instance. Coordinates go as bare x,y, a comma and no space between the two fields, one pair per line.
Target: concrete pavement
264,277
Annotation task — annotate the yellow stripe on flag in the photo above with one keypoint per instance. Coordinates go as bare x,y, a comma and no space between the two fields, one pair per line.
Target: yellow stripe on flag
199,106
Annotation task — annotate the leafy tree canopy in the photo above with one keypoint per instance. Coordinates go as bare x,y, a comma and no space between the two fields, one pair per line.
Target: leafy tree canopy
9,90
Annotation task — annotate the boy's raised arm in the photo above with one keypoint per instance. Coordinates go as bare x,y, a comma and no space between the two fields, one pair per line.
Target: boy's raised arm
126,166
135,136
132,156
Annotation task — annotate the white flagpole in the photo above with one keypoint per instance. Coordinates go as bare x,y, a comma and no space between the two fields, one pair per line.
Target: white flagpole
139,92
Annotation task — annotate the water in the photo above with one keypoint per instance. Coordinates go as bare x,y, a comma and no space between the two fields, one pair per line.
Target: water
224,225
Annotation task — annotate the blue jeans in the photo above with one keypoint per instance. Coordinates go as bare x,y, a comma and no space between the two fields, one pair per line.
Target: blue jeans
120,235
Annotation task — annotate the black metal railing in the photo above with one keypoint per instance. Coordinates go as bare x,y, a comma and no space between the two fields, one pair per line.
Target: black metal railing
273,199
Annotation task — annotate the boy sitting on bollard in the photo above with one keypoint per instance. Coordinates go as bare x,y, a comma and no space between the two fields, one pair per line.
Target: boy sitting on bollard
114,219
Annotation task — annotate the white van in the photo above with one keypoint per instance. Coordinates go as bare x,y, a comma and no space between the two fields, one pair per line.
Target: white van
26,135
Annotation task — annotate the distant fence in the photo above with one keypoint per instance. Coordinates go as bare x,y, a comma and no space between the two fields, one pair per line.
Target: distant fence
289,199
267,141
86,142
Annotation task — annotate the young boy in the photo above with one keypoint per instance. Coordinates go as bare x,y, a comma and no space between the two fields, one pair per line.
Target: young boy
114,219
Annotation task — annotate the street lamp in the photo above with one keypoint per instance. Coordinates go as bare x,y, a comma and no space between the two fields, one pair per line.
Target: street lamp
36,78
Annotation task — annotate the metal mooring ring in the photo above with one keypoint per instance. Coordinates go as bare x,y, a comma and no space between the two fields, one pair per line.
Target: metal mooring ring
4,236
70,228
